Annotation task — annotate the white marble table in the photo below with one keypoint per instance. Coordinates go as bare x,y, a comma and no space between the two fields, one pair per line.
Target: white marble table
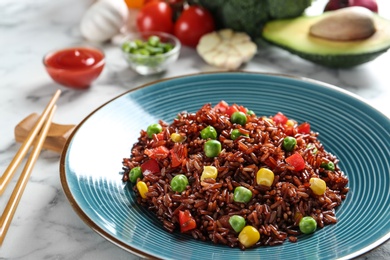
45,225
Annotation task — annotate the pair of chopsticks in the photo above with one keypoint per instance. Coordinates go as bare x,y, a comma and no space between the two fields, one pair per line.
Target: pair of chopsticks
38,134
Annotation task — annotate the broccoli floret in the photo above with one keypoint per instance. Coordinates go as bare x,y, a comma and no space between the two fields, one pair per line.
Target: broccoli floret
244,15
208,4
249,16
279,9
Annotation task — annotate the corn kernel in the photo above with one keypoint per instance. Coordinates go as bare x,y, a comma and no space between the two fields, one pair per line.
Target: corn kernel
209,172
177,138
318,186
249,236
268,120
290,122
142,189
265,177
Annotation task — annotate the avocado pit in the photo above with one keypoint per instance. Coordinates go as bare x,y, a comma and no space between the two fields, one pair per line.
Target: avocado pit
347,24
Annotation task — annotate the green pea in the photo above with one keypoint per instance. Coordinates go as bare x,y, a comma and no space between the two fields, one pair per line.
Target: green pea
328,166
250,112
237,223
289,143
235,134
153,129
238,118
242,194
179,183
135,173
212,148
307,225
208,133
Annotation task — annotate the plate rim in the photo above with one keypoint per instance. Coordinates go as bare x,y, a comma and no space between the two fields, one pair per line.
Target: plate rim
90,223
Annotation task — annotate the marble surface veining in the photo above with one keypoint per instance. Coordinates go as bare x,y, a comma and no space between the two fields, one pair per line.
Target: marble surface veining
45,225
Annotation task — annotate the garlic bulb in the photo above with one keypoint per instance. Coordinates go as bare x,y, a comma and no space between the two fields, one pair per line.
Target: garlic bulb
226,49
103,20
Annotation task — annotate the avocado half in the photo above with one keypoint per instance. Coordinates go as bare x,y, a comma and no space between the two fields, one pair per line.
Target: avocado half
293,35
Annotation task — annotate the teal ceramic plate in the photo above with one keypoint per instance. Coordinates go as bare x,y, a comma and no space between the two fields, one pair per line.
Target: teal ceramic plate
355,132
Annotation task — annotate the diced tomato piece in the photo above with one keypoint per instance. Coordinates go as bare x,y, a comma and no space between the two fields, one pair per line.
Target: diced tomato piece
158,153
279,118
233,108
289,130
222,106
160,136
178,154
150,167
242,109
304,128
297,161
187,222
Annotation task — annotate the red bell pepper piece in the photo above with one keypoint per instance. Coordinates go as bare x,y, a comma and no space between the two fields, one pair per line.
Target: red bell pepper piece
150,167
297,161
222,106
187,222
304,128
233,108
279,118
236,108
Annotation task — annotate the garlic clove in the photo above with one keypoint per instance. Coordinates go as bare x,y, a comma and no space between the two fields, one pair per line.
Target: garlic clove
226,49
208,42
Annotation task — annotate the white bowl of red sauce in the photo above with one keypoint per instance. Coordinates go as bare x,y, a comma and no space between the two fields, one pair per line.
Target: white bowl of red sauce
75,67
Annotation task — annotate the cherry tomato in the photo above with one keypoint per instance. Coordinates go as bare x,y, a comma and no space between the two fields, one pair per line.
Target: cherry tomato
150,167
192,24
155,16
187,222
145,2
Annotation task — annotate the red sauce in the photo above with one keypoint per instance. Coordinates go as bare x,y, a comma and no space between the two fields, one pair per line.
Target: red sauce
75,67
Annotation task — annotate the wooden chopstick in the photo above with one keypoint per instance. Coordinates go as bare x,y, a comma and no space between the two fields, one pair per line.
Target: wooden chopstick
9,211
10,171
